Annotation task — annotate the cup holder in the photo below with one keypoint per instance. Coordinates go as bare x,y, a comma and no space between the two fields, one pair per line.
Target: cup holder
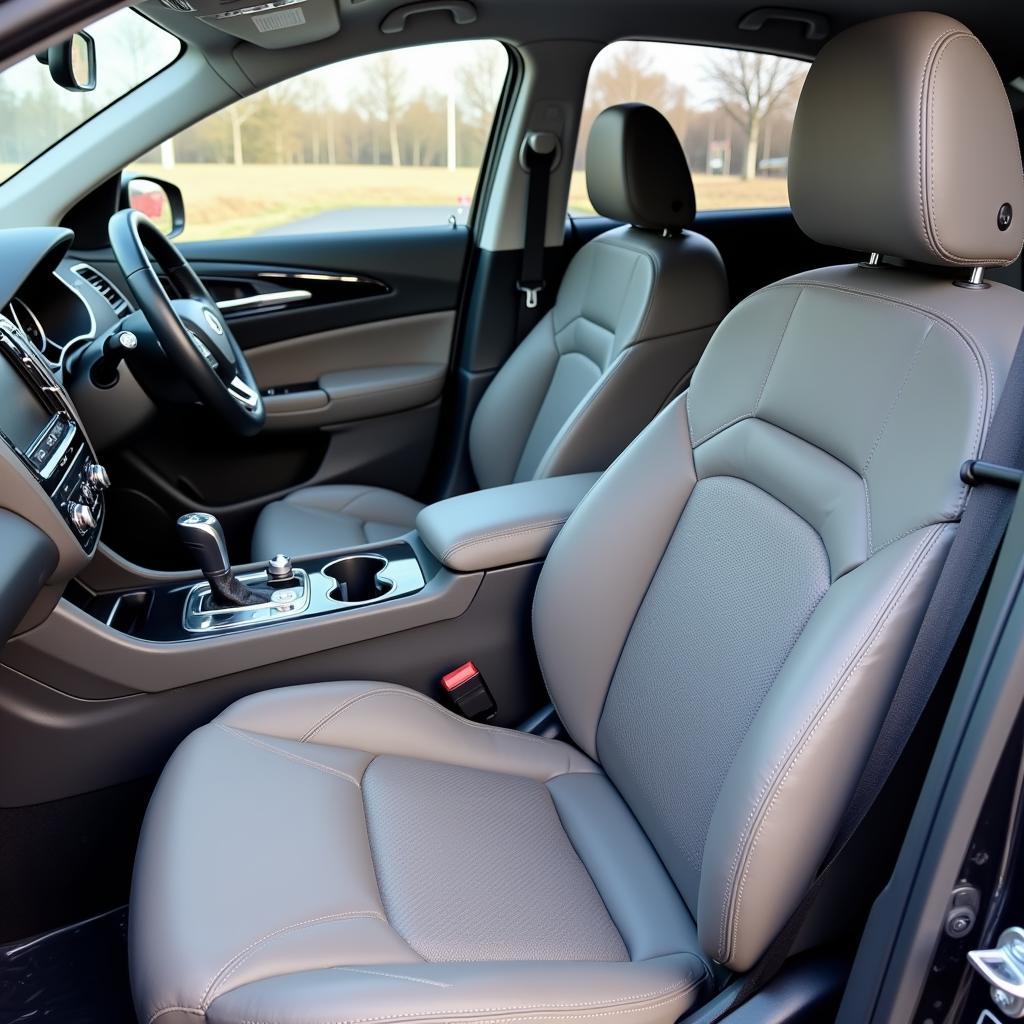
356,579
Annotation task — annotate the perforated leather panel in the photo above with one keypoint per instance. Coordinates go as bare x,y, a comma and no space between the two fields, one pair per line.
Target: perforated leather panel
475,865
736,585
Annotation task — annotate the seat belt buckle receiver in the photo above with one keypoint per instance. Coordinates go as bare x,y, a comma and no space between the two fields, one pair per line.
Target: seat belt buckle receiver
532,290
467,690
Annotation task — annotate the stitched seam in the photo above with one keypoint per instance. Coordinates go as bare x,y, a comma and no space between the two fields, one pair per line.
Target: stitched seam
823,712
397,977
533,1016
621,1006
433,705
764,383
489,537
933,225
922,135
986,375
195,1011
596,390
756,809
240,957
918,349
288,755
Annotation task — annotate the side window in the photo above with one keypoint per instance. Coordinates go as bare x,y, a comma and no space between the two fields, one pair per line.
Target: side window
388,140
732,109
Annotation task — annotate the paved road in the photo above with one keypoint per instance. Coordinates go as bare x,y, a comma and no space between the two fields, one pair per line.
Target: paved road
368,218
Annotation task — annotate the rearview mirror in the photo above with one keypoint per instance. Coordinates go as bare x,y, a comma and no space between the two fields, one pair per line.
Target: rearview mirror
159,200
72,63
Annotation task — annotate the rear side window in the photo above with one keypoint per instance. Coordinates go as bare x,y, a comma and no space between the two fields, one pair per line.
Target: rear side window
732,110
391,140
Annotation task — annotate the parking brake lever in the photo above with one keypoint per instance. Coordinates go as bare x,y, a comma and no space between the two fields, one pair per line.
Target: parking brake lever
203,535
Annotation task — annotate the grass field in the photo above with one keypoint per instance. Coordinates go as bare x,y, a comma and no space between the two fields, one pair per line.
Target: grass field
222,201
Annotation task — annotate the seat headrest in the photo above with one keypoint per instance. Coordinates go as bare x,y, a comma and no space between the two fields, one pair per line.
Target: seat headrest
904,144
636,169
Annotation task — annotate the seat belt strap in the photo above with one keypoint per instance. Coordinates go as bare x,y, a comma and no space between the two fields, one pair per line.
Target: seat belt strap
960,582
539,152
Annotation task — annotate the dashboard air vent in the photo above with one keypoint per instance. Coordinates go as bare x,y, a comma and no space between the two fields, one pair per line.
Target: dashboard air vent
117,302
178,5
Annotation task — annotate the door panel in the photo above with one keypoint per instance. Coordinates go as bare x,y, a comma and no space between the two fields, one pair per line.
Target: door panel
353,377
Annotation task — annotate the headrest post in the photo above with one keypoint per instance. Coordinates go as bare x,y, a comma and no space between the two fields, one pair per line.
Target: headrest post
976,280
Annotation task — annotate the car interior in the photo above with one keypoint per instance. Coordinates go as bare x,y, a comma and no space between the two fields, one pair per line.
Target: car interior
511,512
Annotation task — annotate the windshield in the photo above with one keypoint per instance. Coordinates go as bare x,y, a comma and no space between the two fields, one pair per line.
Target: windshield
36,112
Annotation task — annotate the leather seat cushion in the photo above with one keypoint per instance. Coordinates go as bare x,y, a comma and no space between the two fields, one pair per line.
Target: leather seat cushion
332,518
354,852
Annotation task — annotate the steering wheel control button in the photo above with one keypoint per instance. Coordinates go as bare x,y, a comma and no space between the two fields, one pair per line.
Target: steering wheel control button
212,322
279,568
97,476
203,350
82,518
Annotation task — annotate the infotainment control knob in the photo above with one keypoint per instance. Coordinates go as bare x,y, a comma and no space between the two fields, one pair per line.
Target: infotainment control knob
97,476
81,517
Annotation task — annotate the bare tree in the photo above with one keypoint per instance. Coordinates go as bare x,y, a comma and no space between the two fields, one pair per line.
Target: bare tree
239,113
630,76
750,87
382,96
480,81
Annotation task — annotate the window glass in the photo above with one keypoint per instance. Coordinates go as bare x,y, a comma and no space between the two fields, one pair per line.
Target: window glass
36,112
732,110
389,140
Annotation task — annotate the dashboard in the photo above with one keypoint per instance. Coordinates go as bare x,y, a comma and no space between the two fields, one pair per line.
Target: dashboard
51,486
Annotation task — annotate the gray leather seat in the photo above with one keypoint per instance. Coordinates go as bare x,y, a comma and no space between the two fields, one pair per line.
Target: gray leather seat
634,312
720,625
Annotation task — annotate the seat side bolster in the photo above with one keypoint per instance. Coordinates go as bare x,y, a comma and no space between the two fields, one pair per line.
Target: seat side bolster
648,992
782,800
600,566
381,718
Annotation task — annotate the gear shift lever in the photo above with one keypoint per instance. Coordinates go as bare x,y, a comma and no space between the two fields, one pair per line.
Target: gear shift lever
203,535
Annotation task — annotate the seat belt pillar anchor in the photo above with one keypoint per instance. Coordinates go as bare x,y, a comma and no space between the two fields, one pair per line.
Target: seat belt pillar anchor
531,290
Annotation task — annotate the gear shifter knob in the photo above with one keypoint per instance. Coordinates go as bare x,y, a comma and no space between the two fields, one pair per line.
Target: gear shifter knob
203,535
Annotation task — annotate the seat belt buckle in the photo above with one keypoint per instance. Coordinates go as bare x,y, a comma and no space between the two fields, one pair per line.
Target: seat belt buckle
532,290
467,690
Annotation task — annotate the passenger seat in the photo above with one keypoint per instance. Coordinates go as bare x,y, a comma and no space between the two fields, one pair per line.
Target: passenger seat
633,315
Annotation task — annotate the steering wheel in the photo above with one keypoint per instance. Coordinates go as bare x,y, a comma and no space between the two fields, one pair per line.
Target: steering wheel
189,329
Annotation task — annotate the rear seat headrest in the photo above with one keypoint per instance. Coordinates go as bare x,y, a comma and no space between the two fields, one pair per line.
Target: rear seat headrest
636,169
904,144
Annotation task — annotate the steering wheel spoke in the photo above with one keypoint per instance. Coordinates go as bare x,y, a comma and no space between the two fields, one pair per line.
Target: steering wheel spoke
189,328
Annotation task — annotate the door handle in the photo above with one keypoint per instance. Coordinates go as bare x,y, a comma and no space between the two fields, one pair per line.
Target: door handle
261,299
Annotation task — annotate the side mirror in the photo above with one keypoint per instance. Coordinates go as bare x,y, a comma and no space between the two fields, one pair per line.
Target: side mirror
72,63
159,200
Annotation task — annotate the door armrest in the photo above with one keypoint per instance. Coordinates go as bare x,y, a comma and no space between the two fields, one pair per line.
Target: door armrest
501,525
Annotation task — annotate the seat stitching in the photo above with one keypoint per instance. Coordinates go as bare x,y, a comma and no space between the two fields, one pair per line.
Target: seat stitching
239,958
671,993
594,392
488,538
646,1008
397,977
760,394
433,705
773,784
922,134
195,1011
309,762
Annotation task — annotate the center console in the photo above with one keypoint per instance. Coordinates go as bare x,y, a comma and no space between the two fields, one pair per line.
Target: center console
39,425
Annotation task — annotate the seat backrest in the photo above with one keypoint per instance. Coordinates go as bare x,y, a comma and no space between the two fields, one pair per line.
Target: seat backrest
633,314
724,619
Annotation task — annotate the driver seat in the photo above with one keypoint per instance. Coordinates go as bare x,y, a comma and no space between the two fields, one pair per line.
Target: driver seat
633,315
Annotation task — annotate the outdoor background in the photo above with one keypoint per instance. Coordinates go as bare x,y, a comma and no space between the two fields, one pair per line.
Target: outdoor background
396,139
